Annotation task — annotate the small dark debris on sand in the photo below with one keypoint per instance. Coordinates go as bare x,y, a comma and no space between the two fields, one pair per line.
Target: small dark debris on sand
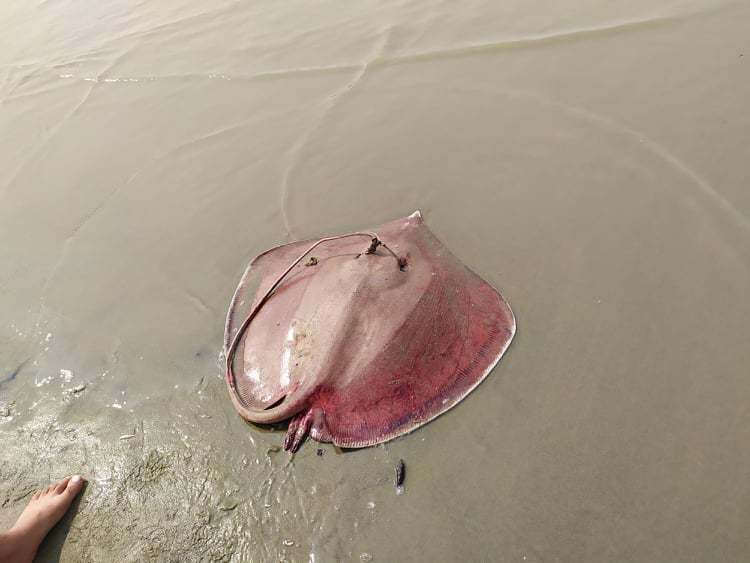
400,472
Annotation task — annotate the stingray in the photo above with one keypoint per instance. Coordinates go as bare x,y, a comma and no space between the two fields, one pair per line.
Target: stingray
360,338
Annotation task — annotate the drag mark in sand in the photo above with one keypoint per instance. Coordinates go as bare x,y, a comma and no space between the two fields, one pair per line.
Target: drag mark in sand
705,189
328,105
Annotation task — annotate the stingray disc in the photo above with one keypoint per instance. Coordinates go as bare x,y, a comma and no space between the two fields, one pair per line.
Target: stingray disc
353,348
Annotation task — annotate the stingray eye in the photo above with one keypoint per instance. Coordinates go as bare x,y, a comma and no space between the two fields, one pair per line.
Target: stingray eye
402,264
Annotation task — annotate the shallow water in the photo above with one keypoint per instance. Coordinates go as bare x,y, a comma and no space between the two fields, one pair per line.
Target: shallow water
590,160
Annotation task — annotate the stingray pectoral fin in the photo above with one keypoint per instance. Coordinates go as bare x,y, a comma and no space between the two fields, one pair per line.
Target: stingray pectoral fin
449,342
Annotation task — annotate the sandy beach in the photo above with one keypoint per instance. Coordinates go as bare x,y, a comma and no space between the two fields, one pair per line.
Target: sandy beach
590,160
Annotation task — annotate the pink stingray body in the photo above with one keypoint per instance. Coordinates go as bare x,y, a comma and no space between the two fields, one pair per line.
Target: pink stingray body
355,349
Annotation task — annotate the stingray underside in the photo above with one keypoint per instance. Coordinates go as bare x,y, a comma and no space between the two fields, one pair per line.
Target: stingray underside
355,350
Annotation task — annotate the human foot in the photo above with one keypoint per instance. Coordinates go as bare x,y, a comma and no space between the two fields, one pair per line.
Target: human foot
19,544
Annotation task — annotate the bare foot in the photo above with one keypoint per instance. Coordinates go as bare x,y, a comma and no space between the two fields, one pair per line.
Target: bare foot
19,544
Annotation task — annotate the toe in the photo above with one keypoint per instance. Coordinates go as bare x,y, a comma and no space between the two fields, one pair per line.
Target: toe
36,495
74,485
61,485
49,489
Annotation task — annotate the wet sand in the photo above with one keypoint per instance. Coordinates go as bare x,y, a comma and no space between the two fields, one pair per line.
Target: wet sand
590,161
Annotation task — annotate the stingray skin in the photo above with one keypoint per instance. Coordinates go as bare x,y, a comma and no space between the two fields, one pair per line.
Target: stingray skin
352,348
